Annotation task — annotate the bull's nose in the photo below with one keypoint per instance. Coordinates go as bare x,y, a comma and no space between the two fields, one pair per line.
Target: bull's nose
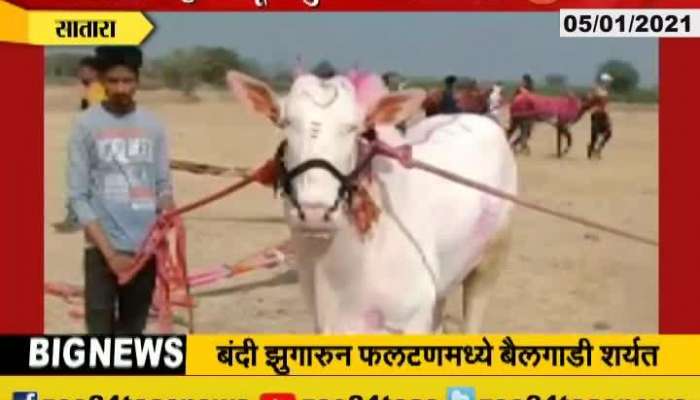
314,213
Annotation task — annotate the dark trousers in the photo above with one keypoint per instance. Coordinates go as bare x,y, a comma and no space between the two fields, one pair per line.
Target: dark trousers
600,127
112,309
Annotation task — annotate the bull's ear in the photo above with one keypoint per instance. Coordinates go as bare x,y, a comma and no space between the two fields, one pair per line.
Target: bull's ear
256,95
396,107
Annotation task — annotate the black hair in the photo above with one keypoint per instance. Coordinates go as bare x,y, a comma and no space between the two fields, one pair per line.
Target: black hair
450,80
112,56
90,62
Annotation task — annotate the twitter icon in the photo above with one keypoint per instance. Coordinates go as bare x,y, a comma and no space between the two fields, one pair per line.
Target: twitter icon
461,393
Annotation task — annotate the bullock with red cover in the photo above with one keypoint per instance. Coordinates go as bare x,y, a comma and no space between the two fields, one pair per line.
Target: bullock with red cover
560,111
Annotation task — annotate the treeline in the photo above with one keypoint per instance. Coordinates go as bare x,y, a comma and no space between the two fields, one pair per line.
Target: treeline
190,69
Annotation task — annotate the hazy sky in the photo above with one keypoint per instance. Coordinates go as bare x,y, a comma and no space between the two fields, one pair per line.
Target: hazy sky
483,45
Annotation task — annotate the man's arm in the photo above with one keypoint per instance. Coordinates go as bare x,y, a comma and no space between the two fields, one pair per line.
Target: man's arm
79,197
164,187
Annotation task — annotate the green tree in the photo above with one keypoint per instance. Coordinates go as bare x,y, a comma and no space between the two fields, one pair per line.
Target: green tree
215,62
62,65
625,75
186,69
180,70
556,80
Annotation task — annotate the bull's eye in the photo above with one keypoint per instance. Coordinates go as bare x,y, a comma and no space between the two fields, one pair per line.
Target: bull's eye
284,123
351,128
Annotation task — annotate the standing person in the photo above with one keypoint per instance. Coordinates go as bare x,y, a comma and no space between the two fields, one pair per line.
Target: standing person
520,143
93,92
448,102
495,101
394,81
118,182
389,79
526,85
601,126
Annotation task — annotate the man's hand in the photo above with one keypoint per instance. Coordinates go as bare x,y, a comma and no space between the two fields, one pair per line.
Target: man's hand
119,263
166,204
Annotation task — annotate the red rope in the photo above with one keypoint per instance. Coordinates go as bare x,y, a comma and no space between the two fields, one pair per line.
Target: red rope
269,258
404,156
170,255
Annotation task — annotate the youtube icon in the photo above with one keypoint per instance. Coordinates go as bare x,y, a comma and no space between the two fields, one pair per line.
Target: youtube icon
277,396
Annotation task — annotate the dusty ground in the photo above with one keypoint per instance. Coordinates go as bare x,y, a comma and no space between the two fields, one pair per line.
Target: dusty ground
560,277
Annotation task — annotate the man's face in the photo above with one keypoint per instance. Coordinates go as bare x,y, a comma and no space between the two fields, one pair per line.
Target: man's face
120,85
87,75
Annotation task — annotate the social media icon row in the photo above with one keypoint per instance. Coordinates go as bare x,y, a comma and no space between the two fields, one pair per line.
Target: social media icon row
453,393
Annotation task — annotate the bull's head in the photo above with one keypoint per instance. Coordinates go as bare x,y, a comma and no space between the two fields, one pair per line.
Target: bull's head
322,120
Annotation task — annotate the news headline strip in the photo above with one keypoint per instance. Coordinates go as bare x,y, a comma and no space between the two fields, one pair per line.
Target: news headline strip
351,355
443,355
279,358
59,28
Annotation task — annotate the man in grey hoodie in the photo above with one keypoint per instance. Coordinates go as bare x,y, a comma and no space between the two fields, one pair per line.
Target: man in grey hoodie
118,182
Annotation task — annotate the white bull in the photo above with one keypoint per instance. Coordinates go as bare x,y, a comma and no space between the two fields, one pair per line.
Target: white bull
431,235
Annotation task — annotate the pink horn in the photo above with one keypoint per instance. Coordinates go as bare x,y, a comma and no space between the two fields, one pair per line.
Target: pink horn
299,68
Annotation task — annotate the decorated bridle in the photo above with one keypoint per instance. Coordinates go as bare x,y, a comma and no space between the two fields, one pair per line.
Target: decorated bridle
348,182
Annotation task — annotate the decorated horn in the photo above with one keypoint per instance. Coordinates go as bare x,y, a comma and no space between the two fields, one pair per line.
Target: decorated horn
299,68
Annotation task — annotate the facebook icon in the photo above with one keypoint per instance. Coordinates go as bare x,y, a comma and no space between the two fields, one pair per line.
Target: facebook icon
25,396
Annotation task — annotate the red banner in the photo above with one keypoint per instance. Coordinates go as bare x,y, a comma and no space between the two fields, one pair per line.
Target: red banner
351,5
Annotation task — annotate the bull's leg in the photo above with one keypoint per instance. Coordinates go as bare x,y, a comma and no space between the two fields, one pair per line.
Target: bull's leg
514,125
306,281
438,318
569,139
563,131
594,140
479,285
559,142
527,132
606,136
518,141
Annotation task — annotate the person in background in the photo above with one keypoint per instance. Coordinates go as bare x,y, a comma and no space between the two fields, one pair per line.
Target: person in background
118,183
393,81
526,85
92,90
448,102
496,101
601,126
